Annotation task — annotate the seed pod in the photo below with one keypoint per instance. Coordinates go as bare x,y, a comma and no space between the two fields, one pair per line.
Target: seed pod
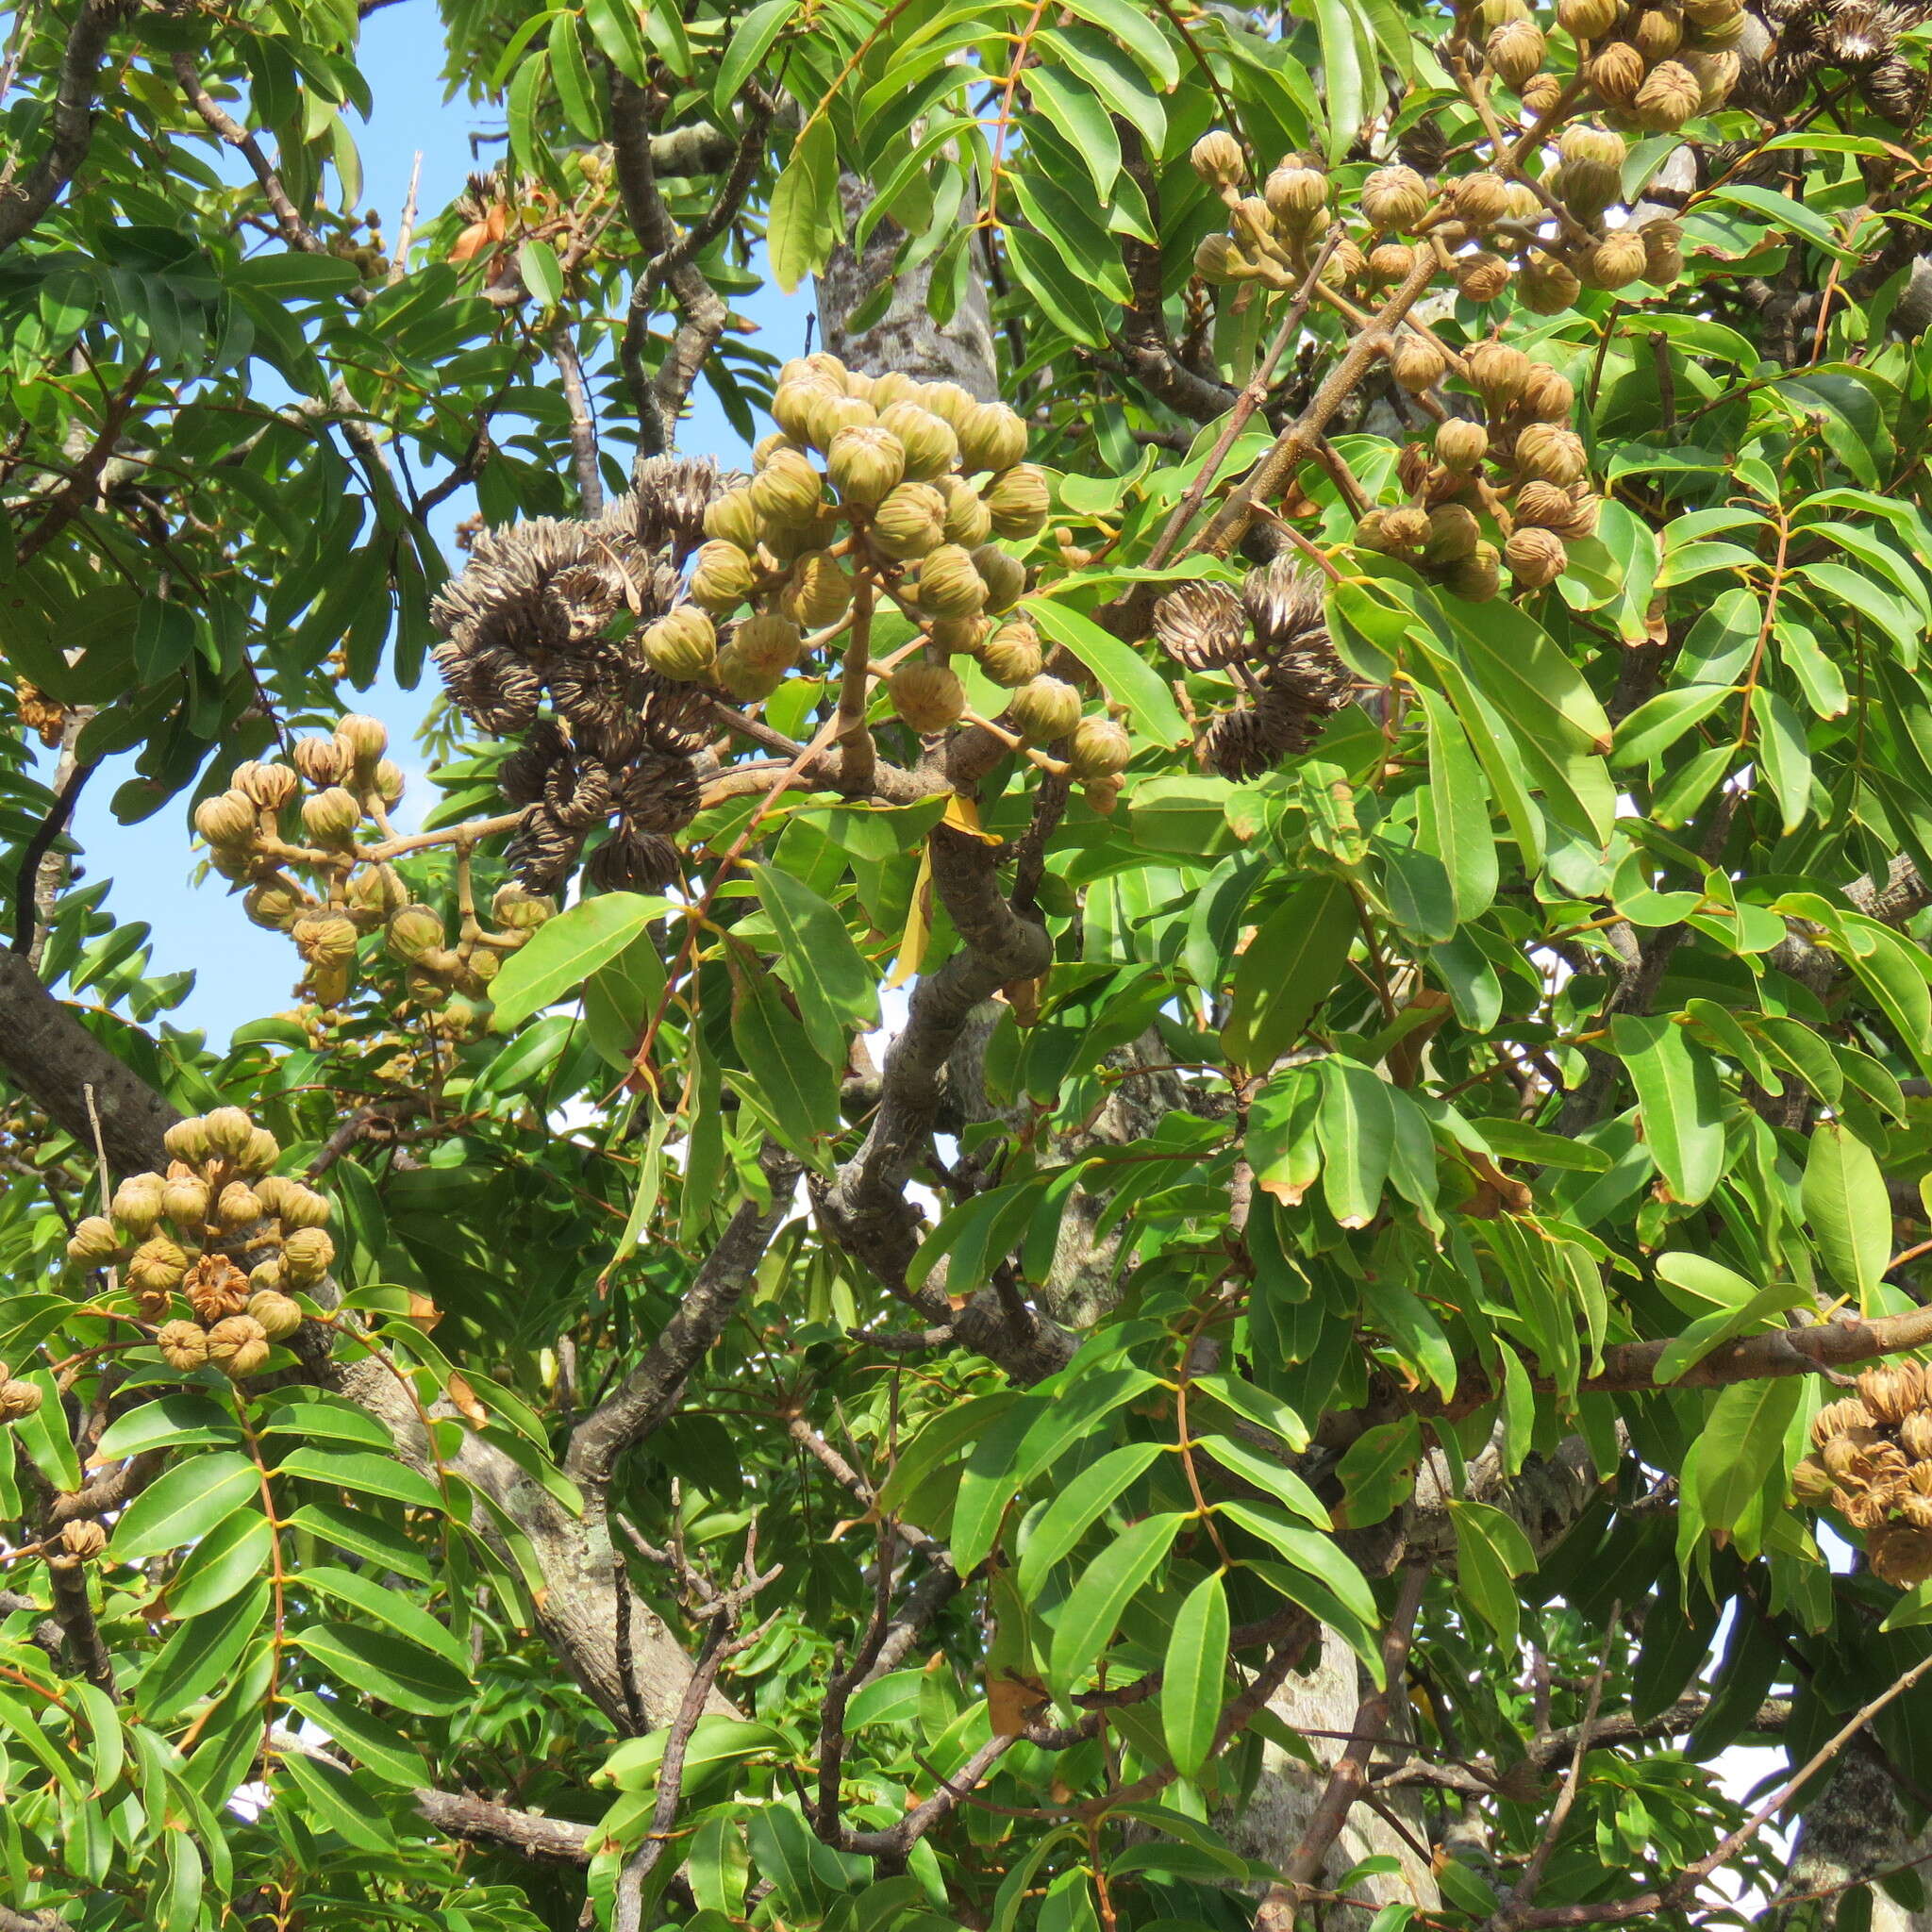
1709,13
1535,557
785,544
768,641
1011,657
325,940
1452,534
137,1203
1004,577
1017,501
741,679
831,411
1515,51
733,519
1294,190
263,1151
1488,16
1663,251
274,904
268,786
1586,20
1616,72
949,586
1218,160
1217,260
83,1539
307,1255
19,1399
767,447
330,817
1497,372
319,760
215,1287
929,697
1586,188
412,931
1915,1439
1552,455
969,522
958,633
993,436
1540,95
185,1202
818,591
1611,263
912,520
1346,263
865,464
1716,71
1547,395
949,401
188,1140
517,910
275,1314
239,1206
93,1241
1900,1554
723,576
1548,285
931,443
156,1266
896,386
363,740
238,1346
681,646
183,1345
792,401
1043,709
1461,445
301,1207
229,818
1394,197
1098,749
1482,276
229,1129
787,491
1657,33
1669,97
1416,364
1390,263
1405,528
387,781
1891,1391
1547,505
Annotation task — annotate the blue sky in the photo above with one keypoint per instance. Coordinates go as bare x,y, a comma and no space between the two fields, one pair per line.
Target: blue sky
241,971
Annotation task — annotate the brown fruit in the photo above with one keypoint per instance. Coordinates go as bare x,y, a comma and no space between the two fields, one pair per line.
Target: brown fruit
238,1346
1669,95
1390,263
1482,276
83,1539
1417,363
1461,445
1663,251
1515,51
1616,70
1615,260
1547,395
1535,557
1497,372
1548,285
1394,197
929,697
1586,20
1550,455
1218,160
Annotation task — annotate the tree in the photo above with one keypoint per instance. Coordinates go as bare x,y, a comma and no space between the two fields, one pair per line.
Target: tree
1331,649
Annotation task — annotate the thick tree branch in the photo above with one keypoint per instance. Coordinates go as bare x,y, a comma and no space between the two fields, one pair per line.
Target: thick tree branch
646,1397
73,119
477,1821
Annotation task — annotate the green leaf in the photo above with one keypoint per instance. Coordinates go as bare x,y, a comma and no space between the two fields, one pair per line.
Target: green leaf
374,1475
572,74
196,1661
1848,1210
563,952
614,25
1267,1475
1491,1550
1078,1506
1657,725
541,272
797,1082
337,1803
1287,971
171,1420
1082,120
751,39
836,988
1319,1555
183,1503
1191,1680
228,1558
1357,1123
409,1619
1453,823
1378,1471
1742,1439
1092,1610
1679,1102
372,1663
1130,680
804,223
1786,753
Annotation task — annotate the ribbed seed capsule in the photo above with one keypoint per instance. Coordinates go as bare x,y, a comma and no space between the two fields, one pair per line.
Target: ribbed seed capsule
1417,363
910,520
949,586
1515,51
1535,557
928,697
1218,160
1098,749
1394,197
1043,709
818,591
1017,501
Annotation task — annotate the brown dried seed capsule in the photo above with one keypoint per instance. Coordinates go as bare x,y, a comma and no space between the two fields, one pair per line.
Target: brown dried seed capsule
929,697
270,786
1547,395
1515,51
19,1399
1454,534
1616,70
83,1539
1540,95
1535,557
1839,1418
1657,33
1586,20
1394,197
1405,527
1663,251
1390,263
1548,285
1482,276
1669,95
1900,1554
1202,626
1461,445
1915,1439
319,760
1553,455
238,1346
1892,1390
1496,372
1615,260
1417,363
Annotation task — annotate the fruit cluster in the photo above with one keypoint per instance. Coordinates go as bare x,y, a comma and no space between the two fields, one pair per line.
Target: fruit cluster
1873,1463
178,1233
276,824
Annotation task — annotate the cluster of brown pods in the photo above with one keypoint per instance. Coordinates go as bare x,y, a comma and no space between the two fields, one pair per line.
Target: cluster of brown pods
1871,1461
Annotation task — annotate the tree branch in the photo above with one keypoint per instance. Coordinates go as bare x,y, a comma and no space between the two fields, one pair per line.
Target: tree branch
73,120
646,1397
